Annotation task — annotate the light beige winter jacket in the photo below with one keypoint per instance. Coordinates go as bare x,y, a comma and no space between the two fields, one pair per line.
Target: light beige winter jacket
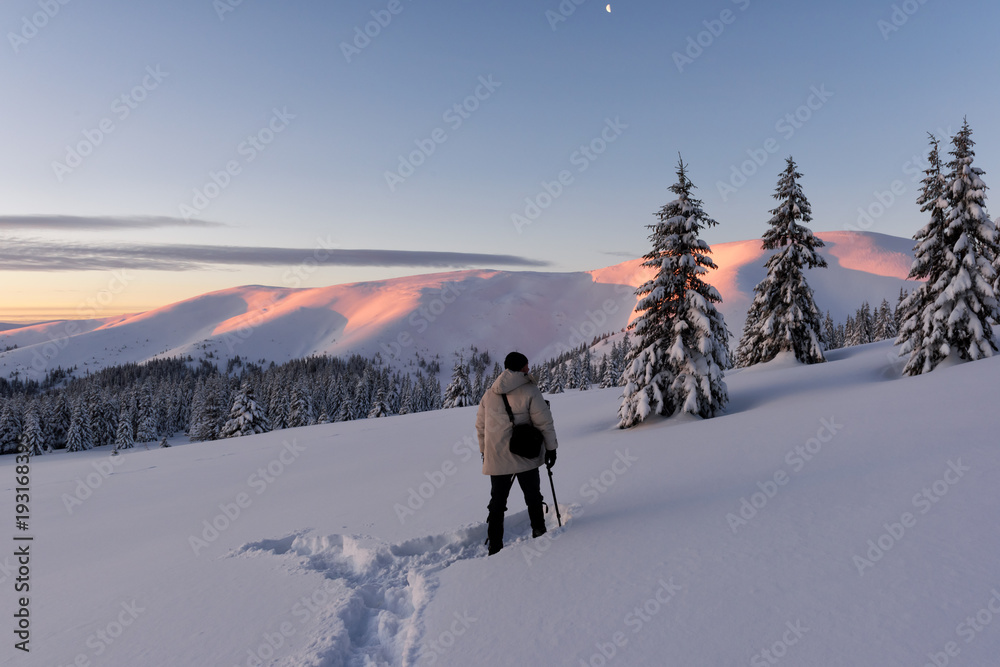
494,426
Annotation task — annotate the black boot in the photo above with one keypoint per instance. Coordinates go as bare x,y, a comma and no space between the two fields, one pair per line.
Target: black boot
494,534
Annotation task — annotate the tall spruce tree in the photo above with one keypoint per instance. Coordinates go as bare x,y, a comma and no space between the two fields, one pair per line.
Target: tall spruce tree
783,315
952,312
683,348
246,417
124,437
458,393
32,436
10,428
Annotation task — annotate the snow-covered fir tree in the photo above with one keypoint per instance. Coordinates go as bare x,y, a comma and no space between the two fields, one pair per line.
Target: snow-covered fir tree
246,417
146,427
10,428
885,322
683,349
300,408
783,315
586,371
829,332
32,435
952,312
124,437
458,393
79,436
379,406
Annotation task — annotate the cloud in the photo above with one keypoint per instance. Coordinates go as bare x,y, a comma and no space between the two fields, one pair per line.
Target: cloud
36,255
97,223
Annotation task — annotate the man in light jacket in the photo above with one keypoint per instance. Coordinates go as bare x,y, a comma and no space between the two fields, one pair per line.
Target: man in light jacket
494,427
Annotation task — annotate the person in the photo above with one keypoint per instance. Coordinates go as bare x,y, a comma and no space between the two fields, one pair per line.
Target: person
494,428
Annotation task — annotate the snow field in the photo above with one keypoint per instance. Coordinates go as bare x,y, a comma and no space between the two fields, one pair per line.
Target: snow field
319,567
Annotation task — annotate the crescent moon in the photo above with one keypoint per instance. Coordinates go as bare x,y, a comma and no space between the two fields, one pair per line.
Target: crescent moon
608,8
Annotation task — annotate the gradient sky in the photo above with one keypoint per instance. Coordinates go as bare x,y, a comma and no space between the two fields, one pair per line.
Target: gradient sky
213,74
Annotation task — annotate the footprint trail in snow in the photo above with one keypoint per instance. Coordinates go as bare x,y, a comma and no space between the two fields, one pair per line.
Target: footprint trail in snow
370,614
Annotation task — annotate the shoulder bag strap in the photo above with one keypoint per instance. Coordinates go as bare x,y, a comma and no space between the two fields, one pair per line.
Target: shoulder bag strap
506,403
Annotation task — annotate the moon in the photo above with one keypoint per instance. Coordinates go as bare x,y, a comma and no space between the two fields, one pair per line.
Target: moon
608,8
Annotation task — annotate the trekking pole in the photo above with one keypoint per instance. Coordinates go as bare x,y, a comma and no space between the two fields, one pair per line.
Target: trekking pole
554,501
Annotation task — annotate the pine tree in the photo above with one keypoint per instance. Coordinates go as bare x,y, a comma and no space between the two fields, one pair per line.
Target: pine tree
246,417
10,429
951,313
865,324
124,438
885,324
783,315
146,418
347,409
852,334
379,407
897,314
300,408
557,384
683,349
587,371
208,418
829,332
458,393
32,436
79,437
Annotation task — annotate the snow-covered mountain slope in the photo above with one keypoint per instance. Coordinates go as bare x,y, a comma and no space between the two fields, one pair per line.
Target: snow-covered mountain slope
542,314
836,515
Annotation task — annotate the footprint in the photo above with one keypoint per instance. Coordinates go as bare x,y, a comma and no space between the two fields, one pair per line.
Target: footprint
374,619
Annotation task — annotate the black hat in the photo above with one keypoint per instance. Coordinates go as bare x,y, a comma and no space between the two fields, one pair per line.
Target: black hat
515,361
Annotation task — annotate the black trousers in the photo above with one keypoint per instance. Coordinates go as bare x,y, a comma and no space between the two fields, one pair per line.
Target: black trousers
500,490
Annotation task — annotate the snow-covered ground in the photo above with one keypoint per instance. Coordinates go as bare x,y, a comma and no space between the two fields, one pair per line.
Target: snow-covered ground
541,314
836,515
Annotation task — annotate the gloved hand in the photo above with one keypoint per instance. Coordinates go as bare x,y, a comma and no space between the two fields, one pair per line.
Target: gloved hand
550,457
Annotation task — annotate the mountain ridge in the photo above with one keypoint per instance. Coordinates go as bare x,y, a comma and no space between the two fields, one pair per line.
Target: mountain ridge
540,313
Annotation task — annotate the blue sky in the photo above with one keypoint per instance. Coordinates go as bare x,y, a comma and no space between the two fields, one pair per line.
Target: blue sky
309,129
